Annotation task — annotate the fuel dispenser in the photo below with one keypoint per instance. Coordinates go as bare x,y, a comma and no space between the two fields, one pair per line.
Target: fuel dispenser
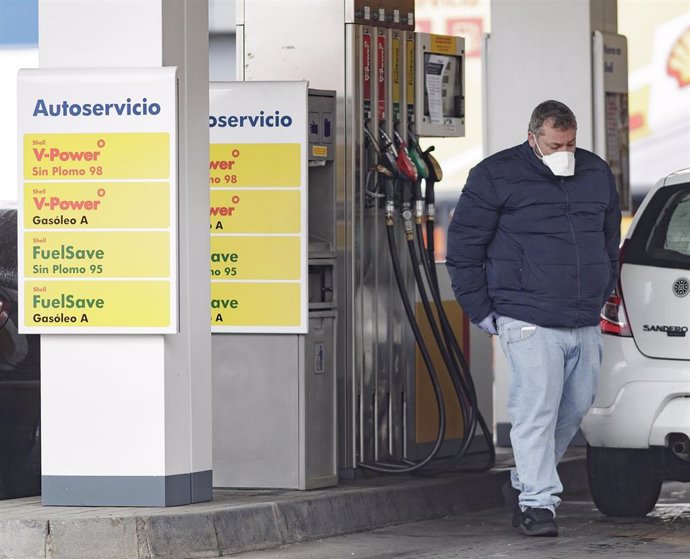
274,394
390,113
392,86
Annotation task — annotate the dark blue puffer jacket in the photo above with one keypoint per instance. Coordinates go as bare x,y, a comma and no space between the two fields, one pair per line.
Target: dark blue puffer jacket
533,246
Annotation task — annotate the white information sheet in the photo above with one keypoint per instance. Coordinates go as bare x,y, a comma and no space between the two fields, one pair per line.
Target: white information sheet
435,69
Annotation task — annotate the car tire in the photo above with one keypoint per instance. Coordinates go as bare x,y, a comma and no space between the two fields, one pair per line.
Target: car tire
623,481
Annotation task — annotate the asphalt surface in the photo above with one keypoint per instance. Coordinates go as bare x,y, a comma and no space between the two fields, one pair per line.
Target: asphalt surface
584,532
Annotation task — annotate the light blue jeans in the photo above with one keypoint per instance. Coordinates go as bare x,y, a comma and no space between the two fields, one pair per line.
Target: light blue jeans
553,380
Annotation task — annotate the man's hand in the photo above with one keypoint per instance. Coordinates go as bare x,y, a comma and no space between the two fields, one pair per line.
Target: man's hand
488,324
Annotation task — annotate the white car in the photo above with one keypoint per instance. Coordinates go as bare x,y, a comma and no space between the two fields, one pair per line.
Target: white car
639,426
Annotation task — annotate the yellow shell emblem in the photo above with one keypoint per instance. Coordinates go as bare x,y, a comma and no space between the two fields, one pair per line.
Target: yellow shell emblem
678,64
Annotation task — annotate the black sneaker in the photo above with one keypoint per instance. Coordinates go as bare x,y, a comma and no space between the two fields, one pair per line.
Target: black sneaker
511,497
538,522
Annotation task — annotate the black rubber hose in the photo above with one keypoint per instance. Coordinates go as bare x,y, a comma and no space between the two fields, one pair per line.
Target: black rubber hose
470,393
431,250
465,379
430,201
465,394
448,335
430,270
450,363
397,272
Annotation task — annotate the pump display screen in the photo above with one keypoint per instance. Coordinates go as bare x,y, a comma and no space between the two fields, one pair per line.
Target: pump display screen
443,96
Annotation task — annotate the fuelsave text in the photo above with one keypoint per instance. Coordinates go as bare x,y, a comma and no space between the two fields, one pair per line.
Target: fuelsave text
67,301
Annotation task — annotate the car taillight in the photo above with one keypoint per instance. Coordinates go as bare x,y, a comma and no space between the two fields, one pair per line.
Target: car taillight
613,319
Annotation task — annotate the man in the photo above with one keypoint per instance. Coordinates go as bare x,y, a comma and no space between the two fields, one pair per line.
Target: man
533,255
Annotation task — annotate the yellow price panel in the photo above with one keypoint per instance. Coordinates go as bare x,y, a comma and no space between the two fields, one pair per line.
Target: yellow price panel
255,165
255,211
99,205
140,254
255,258
395,58
255,304
140,155
409,71
78,304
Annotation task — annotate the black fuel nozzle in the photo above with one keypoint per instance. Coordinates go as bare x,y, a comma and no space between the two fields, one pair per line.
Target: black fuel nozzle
385,162
389,155
385,167
370,140
384,139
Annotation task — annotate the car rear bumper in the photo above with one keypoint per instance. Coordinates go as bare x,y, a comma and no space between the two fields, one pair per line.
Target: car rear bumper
640,400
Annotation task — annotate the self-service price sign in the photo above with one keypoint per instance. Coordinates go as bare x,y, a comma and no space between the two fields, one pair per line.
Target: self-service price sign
98,211
258,213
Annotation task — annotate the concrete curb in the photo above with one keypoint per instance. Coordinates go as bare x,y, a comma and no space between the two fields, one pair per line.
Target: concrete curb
199,532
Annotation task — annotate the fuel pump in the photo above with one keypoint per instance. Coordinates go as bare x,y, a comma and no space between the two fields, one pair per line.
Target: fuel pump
393,168
399,167
402,172
392,80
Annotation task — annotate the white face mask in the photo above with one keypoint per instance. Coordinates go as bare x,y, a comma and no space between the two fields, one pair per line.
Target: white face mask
561,163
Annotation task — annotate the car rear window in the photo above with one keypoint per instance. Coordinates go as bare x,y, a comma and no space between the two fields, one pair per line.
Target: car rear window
662,236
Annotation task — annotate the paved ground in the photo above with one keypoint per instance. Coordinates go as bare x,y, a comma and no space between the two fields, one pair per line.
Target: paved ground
486,534
238,521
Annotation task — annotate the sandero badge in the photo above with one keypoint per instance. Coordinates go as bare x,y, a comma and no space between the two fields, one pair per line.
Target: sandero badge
681,287
673,331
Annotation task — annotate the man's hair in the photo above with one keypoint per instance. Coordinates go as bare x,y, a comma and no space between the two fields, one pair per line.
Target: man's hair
563,117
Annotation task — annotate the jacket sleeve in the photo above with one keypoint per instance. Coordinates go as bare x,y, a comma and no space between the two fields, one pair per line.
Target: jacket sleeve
612,233
471,230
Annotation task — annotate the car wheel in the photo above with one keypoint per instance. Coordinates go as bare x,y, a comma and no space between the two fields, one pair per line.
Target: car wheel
623,481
